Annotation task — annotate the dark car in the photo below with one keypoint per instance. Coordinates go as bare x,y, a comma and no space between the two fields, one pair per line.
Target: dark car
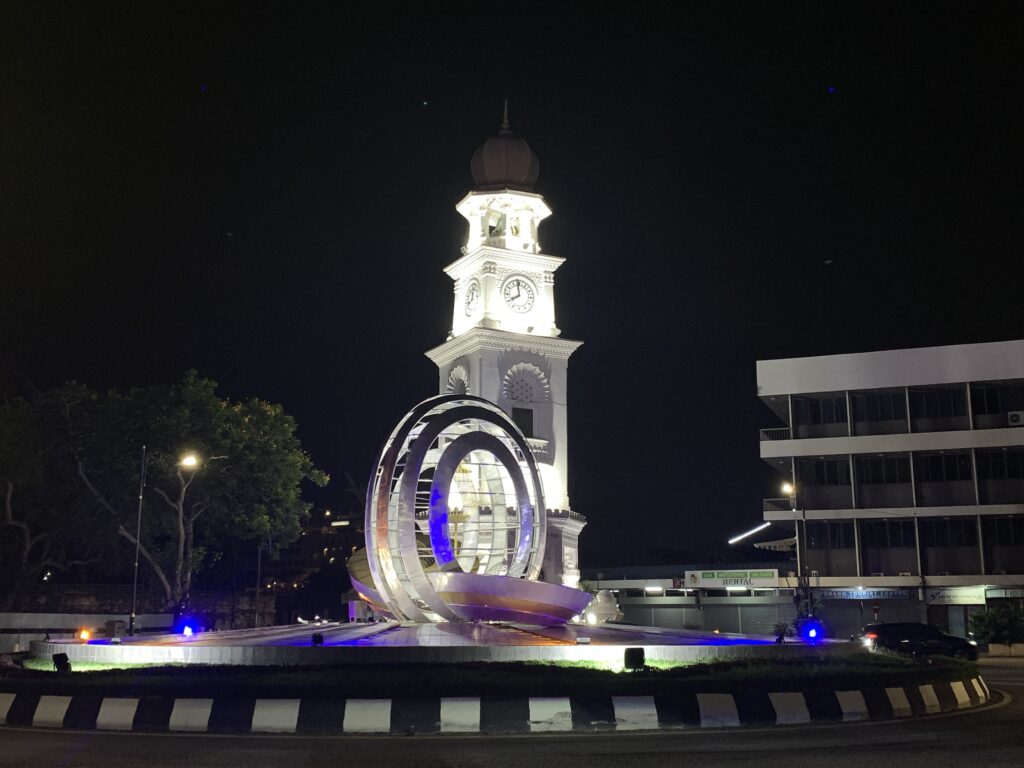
917,640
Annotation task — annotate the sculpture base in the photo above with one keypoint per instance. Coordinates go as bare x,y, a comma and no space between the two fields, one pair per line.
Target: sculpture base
476,597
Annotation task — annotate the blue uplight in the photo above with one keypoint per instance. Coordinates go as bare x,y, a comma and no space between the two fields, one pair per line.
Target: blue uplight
812,631
186,625
440,542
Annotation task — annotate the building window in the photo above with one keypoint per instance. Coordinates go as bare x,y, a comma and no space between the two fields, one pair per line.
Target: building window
523,418
942,467
1000,465
819,410
880,534
996,399
879,406
948,532
830,535
883,470
985,400
1004,531
824,472
937,402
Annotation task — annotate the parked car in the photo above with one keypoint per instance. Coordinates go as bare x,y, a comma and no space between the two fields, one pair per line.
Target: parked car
917,640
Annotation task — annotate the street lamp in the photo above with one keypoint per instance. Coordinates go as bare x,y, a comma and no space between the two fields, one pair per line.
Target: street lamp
801,544
189,461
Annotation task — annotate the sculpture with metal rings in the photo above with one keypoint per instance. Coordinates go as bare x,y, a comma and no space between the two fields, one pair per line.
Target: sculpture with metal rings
455,519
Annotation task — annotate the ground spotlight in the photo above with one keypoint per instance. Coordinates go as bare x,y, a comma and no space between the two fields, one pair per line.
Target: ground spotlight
812,631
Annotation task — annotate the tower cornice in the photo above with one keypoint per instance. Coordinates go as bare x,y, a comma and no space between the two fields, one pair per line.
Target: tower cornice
486,338
482,196
532,262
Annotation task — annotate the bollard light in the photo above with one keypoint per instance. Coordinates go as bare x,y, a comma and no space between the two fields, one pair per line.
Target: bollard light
634,659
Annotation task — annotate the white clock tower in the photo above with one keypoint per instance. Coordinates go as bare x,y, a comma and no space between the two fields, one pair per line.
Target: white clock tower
504,344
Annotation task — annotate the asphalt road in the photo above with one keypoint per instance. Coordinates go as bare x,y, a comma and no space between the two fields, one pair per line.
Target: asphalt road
990,738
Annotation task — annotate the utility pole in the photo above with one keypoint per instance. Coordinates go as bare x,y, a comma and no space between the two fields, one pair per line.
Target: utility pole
138,534
259,578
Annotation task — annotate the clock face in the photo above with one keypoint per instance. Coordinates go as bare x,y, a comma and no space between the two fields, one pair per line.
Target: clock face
472,297
519,294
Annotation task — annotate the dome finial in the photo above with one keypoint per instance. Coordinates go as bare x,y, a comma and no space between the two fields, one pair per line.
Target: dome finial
504,161
506,129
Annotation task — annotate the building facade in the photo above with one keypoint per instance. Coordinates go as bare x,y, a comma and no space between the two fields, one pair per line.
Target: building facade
906,477
504,344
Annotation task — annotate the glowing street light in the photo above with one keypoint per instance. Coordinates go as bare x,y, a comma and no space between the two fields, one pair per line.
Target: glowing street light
189,461
751,532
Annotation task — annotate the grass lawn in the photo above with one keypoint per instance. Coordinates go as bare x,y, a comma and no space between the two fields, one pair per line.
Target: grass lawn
483,679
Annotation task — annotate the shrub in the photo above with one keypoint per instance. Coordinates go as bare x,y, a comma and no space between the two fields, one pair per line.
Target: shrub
1001,623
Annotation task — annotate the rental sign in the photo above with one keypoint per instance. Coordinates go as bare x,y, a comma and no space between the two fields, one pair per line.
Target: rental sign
723,579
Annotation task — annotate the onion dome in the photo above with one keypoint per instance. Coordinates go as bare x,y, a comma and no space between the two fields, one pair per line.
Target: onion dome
505,162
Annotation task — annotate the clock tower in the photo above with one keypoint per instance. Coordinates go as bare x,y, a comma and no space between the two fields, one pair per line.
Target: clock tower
504,344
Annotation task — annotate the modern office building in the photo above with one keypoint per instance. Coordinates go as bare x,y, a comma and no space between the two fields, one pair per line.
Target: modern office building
906,502
907,476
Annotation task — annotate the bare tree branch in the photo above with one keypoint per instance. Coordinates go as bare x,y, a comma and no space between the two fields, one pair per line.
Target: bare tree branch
168,592
60,565
165,497
95,491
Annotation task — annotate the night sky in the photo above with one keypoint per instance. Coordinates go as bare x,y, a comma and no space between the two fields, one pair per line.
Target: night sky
266,194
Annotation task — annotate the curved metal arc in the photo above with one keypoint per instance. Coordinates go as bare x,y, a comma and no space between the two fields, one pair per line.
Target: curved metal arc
378,549
391,509
433,426
453,455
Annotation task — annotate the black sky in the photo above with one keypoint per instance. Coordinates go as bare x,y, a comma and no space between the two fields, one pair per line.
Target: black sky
266,193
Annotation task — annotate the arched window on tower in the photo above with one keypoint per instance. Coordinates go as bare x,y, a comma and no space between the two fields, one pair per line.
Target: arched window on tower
523,417
524,384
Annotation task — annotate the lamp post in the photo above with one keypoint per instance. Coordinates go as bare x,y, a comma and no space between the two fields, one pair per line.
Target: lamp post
138,534
801,547
190,462
259,578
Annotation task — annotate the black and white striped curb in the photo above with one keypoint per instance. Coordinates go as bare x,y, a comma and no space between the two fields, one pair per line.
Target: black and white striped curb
153,714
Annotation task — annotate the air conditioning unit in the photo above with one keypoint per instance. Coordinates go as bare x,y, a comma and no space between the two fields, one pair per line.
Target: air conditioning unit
906,573
1015,418
814,574
878,573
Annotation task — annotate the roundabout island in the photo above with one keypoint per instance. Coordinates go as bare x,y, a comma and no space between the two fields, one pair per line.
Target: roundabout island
455,539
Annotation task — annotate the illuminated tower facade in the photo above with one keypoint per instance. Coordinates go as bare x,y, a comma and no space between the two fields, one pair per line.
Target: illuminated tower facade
504,344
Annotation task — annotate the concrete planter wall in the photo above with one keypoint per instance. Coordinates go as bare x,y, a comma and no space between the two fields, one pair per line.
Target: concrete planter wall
489,714
999,649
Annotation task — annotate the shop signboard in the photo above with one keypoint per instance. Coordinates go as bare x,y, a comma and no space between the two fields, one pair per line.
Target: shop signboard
955,595
861,594
715,579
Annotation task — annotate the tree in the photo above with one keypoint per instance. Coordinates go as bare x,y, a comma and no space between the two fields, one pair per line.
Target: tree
244,486
43,525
